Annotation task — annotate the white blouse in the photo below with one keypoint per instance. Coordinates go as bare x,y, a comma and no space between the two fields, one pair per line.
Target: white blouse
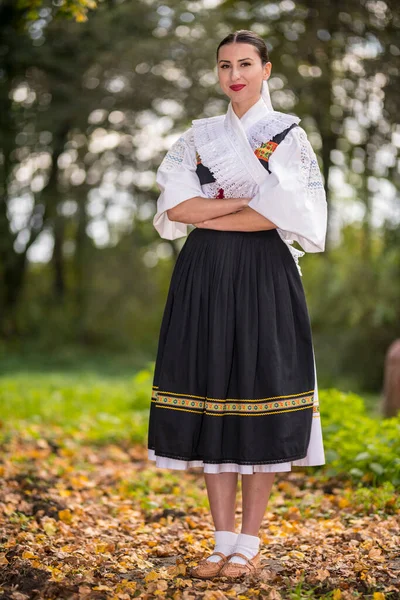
292,195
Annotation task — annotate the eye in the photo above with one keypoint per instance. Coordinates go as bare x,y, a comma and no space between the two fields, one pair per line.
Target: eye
245,64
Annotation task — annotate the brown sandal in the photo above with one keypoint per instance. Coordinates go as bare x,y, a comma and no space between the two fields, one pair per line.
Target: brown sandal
209,568
232,569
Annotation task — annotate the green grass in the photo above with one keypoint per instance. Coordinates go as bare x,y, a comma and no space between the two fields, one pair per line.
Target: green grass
97,407
99,399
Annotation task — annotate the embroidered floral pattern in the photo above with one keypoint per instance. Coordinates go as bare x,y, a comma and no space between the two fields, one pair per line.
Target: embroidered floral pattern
219,407
265,150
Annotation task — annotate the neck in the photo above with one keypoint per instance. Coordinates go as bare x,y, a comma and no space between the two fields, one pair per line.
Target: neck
240,108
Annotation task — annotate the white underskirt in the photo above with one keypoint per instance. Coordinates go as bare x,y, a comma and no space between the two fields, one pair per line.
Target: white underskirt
315,454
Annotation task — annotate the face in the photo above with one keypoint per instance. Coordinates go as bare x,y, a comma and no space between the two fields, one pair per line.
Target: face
240,66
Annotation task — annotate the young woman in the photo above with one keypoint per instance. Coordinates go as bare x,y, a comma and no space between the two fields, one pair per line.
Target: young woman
235,387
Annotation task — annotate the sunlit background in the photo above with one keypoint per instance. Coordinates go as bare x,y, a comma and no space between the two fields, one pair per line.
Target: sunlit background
93,94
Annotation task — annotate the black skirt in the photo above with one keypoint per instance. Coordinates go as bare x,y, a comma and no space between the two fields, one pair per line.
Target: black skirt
234,374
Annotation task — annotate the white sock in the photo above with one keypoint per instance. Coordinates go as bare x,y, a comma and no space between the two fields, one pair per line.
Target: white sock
247,545
224,542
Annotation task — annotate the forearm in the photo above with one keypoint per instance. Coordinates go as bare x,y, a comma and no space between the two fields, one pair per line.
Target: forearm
245,220
199,209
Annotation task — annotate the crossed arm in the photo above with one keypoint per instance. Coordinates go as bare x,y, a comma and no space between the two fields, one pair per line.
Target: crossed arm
228,214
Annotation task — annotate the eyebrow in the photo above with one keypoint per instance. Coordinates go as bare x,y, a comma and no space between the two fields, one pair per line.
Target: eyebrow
240,59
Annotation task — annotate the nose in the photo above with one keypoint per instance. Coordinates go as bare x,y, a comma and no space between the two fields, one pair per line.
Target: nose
235,74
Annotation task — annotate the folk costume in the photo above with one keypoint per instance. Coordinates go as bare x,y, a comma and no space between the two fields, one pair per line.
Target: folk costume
235,384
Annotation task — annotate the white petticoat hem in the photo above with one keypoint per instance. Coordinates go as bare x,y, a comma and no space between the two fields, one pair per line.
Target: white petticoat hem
315,454
315,457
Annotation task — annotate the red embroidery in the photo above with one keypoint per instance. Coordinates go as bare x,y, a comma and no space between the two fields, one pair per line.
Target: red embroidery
220,193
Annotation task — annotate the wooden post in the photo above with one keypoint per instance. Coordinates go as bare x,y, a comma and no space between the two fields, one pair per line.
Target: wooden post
391,385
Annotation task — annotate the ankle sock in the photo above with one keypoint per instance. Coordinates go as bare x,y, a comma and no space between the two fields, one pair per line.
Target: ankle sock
224,542
247,545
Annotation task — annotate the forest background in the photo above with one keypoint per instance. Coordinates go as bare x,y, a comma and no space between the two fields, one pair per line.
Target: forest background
88,108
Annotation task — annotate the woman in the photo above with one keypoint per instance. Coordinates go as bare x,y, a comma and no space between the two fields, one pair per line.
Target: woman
235,387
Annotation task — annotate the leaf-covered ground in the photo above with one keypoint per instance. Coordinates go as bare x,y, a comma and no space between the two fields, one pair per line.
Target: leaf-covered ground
80,521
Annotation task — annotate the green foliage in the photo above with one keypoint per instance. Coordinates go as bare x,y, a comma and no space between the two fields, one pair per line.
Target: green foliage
365,448
380,499
86,407
358,447
355,309
70,9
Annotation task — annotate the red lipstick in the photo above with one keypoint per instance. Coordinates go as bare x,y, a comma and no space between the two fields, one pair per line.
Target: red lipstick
237,87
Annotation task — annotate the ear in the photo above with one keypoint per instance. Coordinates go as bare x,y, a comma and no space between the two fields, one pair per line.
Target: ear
267,70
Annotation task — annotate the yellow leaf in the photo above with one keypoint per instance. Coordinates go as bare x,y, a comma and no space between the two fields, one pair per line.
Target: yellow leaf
181,569
104,588
3,560
56,574
64,493
65,515
337,594
152,576
190,522
343,502
296,554
50,527
28,554
378,596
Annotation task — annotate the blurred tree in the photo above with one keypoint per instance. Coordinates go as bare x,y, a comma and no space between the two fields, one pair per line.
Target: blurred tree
87,111
33,10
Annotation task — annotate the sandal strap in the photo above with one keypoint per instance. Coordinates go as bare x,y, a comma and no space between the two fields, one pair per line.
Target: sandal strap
204,560
248,564
219,554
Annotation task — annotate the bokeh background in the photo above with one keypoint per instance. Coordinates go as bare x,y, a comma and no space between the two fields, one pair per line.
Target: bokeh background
92,94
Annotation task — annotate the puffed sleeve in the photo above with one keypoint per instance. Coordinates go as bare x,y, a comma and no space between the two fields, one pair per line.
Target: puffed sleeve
178,181
293,195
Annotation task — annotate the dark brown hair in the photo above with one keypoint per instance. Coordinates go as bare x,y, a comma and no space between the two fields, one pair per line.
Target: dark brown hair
244,36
